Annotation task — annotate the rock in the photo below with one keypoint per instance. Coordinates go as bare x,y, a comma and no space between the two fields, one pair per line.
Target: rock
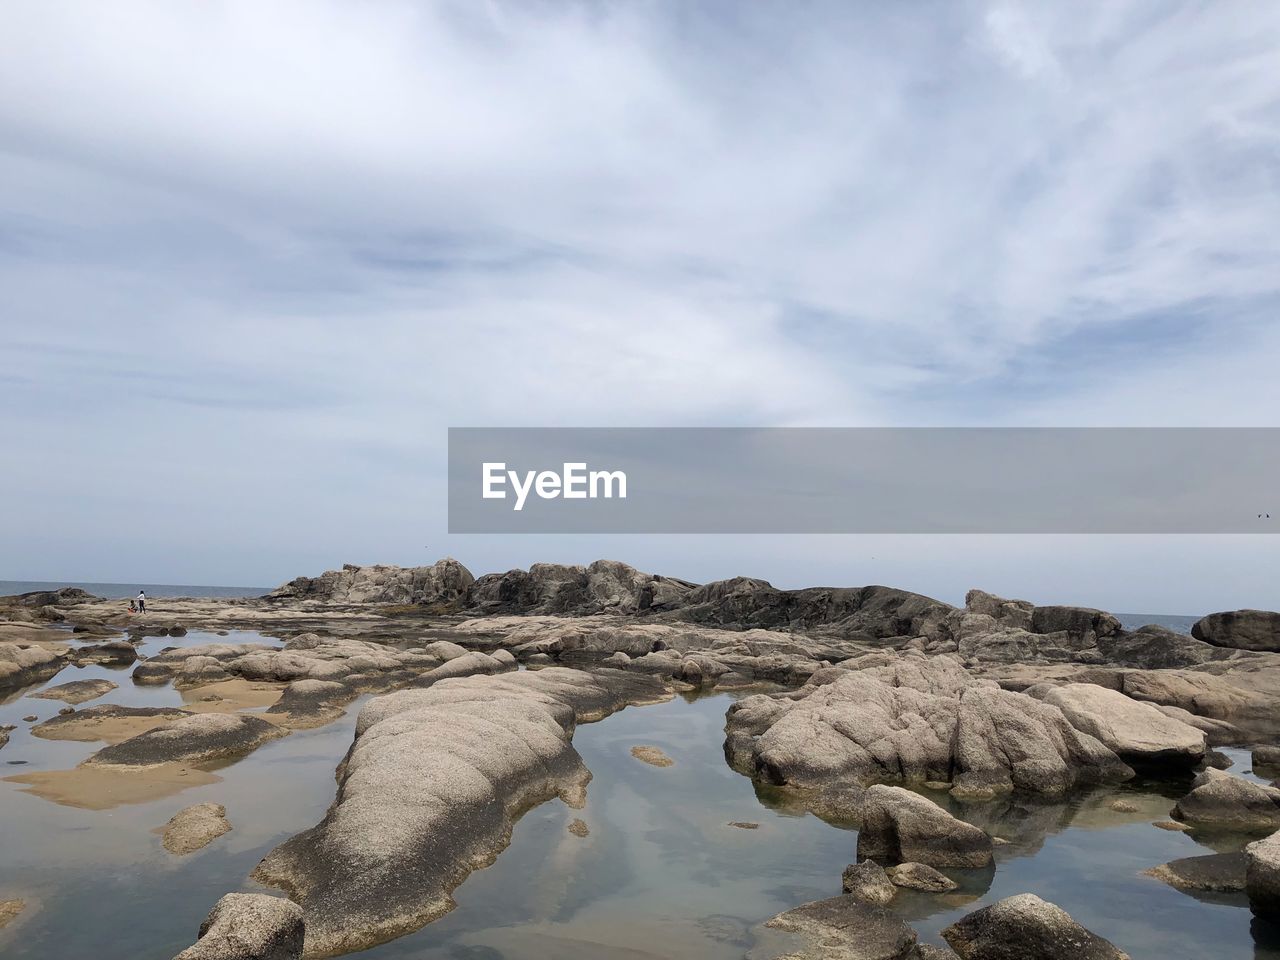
309,703
444,583
744,824
446,650
429,791
1262,876
30,718
92,723
198,738
1136,732
199,672
21,665
9,910
64,711
1153,647
1024,927
1266,756
77,691
652,756
62,597
1240,630
844,928
921,876
249,926
579,828
1213,873
1123,806
912,719
1199,693
195,827
1222,800
899,826
113,652
1171,825
867,882
553,588
4,735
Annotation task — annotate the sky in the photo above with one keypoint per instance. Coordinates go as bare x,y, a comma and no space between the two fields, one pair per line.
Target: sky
255,258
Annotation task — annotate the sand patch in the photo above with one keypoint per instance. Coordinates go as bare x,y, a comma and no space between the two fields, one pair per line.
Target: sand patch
85,728
232,695
104,788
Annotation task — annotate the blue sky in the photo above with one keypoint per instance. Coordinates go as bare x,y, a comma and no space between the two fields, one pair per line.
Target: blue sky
255,258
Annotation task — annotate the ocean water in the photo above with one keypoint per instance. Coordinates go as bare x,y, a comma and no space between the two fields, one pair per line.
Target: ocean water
122,591
660,874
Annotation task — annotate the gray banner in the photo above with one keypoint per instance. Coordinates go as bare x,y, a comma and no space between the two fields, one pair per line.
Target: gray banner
864,480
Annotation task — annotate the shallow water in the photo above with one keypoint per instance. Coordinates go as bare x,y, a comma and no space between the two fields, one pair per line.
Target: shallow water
661,872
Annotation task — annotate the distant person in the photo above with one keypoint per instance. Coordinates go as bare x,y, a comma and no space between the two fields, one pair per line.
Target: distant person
141,601
133,606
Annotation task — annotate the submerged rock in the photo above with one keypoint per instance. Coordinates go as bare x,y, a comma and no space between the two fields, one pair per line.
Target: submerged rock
899,826
844,928
1262,876
9,911
198,738
652,756
249,926
1025,927
921,876
195,827
77,691
1222,800
1240,629
1212,873
429,791
867,882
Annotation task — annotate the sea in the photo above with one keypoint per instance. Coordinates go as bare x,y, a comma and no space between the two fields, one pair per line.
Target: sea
121,591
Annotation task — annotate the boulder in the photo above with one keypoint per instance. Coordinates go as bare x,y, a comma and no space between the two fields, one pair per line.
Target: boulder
1240,630
195,827
1024,927
309,703
1136,732
912,719
1222,800
249,926
1262,876
1266,756
899,826
21,664
77,691
113,652
844,928
867,882
198,738
921,876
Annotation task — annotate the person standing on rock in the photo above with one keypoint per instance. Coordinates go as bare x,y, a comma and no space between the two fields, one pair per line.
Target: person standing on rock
141,601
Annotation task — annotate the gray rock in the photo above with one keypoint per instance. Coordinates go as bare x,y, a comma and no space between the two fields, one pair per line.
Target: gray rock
444,583
429,790
198,738
249,926
844,928
1212,873
21,665
1136,732
1266,756
313,702
1262,876
868,882
899,826
114,652
1240,630
77,691
1222,800
921,876
912,718
195,827
1025,927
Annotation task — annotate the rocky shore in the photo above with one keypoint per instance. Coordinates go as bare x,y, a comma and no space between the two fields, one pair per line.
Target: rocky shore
859,704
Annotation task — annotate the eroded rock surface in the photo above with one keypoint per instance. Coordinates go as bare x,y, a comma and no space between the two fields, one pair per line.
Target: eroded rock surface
1136,732
429,791
867,881
1024,927
77,691
195,827
249,926
1262,876
1221,800
1211,873
844,928
444,582
22,664
198,738
912,719
899,826
1240,630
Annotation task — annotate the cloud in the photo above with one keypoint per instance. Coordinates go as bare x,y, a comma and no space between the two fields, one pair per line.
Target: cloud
289,243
